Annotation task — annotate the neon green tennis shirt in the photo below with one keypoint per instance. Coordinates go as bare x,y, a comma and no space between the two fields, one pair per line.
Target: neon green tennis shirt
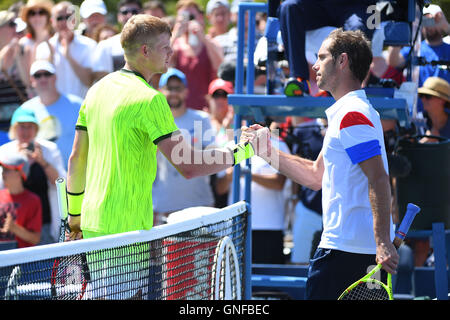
125,118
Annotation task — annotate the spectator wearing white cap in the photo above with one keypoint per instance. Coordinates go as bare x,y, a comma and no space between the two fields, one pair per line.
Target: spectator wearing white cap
20,209
93,13
57,113
219,17
69,52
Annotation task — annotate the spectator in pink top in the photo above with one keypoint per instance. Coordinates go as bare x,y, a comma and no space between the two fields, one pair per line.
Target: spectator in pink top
195,53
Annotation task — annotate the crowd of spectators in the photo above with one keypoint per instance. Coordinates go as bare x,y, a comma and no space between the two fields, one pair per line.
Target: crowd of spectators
52,53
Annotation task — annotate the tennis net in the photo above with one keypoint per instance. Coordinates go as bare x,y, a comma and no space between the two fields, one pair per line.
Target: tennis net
202,258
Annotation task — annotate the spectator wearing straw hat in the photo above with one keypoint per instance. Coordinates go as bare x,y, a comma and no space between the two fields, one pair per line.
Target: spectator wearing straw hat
20,209
36,14
435,96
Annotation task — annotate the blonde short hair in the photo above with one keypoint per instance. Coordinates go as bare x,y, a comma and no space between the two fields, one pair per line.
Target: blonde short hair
142,29
182,4
12,132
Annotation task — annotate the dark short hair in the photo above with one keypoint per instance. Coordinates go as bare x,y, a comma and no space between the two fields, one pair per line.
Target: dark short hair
155,4
125,2
357,47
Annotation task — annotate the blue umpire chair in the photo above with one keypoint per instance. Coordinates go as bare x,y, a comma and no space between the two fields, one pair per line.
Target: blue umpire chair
402,21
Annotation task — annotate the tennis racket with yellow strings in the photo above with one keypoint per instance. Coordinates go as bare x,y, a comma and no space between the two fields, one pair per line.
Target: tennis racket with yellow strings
369,287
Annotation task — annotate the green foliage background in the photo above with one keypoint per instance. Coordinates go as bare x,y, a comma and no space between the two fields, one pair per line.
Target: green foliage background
170,5
112,4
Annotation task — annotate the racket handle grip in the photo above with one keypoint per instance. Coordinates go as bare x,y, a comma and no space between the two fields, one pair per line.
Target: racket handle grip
62,197
411,211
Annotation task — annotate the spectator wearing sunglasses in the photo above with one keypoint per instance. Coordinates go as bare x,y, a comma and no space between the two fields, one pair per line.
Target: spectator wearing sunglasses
12,88
36,14
69,52
57,113
108,56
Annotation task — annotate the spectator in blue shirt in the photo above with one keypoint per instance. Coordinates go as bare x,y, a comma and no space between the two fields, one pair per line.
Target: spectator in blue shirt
57,113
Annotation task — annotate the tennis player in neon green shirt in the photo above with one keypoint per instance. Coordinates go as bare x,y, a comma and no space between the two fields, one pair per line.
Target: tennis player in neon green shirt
122,123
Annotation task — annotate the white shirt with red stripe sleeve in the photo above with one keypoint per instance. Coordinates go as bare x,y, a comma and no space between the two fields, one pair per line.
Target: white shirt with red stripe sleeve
354,134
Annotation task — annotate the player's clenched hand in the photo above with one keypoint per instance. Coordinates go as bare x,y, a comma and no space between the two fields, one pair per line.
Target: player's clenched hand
75,230
259,137
71,236
388,257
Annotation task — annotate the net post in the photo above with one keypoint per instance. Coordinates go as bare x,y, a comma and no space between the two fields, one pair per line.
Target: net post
248,255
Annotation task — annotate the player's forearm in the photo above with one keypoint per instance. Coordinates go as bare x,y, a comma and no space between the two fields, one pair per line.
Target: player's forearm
305,172
380,200
272,181
76,171
76,183
204,162
76,176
